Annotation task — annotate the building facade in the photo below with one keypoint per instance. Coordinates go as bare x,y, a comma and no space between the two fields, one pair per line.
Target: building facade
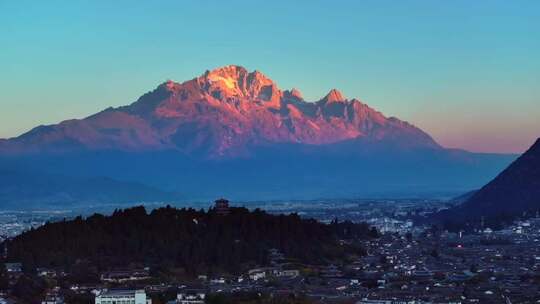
221,206
122,297
190,297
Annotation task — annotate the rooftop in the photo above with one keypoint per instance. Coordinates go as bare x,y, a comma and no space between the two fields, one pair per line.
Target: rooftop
120,292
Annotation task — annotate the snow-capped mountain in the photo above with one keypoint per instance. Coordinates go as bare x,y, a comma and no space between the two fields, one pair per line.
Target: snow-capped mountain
235,133
224,112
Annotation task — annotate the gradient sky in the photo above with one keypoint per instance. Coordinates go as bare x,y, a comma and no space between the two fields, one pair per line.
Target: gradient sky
467,72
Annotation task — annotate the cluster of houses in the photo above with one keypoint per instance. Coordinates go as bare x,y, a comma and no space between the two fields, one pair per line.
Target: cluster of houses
429,267
139,296
125,276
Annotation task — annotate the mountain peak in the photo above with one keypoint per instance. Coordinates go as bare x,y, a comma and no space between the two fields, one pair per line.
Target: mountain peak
169,85
227,111
226,78
333,96
236,81
228,71
537,142
535,148
295,94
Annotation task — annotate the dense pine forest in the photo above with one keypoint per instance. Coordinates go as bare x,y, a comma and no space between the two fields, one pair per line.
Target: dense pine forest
197,241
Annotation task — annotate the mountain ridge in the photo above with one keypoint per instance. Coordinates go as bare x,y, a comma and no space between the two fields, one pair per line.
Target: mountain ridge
23,190
230,109
231,132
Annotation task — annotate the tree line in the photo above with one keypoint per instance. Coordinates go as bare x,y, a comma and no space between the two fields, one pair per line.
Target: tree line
196,240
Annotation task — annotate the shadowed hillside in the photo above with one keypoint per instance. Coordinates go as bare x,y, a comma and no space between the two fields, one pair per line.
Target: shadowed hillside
514,192
196,241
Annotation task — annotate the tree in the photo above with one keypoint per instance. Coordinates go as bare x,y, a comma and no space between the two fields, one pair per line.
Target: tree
4,278
29,289
373,233
408,236
196,241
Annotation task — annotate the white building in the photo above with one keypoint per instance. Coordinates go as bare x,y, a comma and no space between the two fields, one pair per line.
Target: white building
13,267
122,297
291,273
191,297
257,274
53,299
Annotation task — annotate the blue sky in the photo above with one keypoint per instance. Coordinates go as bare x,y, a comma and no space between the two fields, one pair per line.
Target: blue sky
467,72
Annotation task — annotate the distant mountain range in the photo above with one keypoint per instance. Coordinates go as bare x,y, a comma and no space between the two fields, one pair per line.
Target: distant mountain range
32,189
233,132
514,192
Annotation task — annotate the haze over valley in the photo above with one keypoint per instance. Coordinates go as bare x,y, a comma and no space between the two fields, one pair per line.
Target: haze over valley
235,133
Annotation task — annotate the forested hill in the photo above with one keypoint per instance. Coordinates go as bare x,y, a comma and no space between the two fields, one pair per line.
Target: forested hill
197,241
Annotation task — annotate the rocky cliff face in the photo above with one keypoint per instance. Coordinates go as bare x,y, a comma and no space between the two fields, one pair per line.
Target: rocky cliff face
223,113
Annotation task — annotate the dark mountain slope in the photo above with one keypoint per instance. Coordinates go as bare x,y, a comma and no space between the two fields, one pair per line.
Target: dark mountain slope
515,191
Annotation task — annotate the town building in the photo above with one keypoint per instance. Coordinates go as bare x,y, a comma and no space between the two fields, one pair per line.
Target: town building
13,267
288,273
53,299
257,274
190,296
125,276
122,297
221,206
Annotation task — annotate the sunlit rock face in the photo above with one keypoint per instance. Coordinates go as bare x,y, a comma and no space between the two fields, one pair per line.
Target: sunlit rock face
222,113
